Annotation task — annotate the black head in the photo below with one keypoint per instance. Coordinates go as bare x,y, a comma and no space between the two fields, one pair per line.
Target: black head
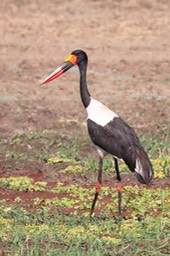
81,56
78,57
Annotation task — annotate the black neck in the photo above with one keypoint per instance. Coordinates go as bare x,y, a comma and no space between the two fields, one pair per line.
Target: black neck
85,95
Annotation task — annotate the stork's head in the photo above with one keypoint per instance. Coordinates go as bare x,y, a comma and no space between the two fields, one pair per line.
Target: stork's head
76,57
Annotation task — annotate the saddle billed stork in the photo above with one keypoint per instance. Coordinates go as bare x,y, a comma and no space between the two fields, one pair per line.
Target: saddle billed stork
108,132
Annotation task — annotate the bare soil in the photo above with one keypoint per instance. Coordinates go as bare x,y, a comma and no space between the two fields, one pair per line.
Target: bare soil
129,68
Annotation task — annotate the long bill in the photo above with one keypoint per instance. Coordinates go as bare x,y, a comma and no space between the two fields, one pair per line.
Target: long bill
58,72
68,63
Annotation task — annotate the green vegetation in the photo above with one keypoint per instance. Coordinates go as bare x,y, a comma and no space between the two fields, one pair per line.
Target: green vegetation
55,226
54,218
167,80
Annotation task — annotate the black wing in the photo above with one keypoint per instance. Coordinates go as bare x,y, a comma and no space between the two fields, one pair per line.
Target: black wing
120,140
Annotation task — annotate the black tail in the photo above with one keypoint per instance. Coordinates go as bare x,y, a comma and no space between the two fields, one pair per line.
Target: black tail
143,167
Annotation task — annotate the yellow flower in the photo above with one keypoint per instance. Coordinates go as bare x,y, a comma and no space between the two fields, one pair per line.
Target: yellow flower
159,175
55,160
113,240
8,209
76,230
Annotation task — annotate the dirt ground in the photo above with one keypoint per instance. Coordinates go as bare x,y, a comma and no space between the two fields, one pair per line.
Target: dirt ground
129,63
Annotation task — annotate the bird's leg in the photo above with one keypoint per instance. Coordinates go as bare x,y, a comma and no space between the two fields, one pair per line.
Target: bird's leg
98,186
117,170
119,188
